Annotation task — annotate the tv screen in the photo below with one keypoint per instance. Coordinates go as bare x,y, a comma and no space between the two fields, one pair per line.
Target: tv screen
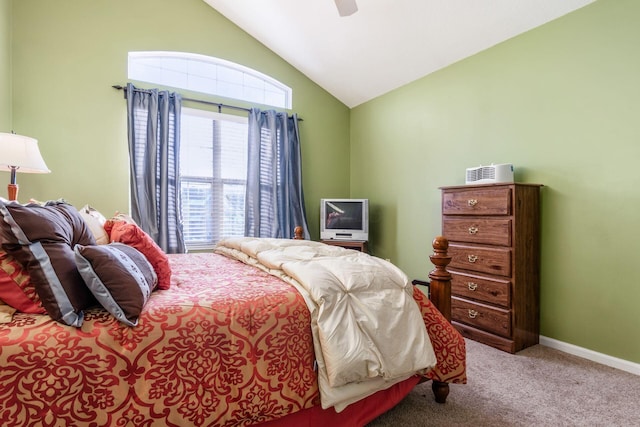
344,215
346,219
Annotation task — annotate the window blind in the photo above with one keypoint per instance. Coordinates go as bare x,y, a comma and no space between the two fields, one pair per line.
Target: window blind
213,162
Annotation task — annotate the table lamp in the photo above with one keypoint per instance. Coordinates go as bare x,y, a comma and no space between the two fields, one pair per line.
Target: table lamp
19,153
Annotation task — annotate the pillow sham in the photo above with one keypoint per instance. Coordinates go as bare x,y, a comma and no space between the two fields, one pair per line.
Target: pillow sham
16,288
95,220
42,238
119,276
132,235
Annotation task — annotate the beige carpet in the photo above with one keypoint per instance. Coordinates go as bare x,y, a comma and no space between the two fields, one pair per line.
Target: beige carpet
538,386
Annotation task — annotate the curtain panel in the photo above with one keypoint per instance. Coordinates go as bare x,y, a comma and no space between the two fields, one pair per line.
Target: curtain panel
154,152
274,203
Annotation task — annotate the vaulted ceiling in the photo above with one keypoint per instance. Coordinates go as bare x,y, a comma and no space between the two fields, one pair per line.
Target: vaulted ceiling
385,44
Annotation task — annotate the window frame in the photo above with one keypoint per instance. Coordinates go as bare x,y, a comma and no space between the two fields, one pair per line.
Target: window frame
177,64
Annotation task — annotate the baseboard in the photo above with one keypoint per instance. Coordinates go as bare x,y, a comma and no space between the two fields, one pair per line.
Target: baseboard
594,356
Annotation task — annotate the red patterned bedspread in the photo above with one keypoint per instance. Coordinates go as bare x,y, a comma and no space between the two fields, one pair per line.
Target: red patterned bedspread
226,345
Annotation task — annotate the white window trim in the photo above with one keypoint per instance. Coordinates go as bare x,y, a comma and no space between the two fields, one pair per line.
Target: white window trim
214,115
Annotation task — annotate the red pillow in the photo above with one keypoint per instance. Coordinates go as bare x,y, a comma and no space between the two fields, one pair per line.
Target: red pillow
16,288
132,235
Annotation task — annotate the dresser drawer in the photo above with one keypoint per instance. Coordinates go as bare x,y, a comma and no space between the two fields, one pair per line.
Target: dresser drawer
481,259
492,291
477,201
487,318
491,231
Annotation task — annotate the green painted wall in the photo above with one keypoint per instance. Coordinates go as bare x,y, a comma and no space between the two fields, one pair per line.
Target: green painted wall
560,103
5,66
67,55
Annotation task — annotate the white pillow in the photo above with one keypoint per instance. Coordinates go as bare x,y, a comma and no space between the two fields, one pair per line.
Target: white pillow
95,220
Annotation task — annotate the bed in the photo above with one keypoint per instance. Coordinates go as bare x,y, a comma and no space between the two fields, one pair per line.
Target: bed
225,342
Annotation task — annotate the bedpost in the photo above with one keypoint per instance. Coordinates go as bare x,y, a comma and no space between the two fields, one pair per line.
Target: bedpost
298,233
440,286
440,296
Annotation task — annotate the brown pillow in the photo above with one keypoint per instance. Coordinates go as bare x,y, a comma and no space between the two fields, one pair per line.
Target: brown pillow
120,278
42,238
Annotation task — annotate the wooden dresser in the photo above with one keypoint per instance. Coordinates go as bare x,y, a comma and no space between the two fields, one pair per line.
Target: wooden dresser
494,244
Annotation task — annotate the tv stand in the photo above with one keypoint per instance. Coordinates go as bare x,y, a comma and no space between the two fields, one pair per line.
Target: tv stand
359,245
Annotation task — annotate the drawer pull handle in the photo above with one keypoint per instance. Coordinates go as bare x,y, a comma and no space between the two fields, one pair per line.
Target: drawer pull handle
473,230
472,314
472,258
472,286
472,202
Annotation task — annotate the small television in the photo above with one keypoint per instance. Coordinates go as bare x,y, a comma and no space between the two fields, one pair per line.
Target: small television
344,219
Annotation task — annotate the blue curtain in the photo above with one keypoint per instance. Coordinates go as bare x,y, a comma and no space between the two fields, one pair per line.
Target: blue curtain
154,152
274,198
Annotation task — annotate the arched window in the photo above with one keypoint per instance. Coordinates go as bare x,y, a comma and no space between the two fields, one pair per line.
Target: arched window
206,74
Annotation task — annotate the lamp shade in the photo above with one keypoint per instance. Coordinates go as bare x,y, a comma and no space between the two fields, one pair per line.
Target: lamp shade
21,153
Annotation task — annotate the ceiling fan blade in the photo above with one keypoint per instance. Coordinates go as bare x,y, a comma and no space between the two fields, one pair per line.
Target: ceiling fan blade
346,7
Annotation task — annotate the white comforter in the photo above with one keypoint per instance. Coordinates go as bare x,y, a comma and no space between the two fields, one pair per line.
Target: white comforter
368,331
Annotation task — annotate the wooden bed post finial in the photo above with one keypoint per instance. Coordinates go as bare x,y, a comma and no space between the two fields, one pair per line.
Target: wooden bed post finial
440,286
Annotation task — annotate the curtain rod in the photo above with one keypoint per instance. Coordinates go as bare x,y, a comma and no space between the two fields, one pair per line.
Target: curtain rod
201,101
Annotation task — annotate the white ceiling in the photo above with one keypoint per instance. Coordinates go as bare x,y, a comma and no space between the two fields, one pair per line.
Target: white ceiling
386,43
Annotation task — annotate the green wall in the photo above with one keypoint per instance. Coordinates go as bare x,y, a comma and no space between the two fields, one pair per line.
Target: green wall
561,103
5,65
68,54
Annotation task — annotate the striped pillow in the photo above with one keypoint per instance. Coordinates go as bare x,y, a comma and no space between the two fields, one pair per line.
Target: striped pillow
41,238
119,276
